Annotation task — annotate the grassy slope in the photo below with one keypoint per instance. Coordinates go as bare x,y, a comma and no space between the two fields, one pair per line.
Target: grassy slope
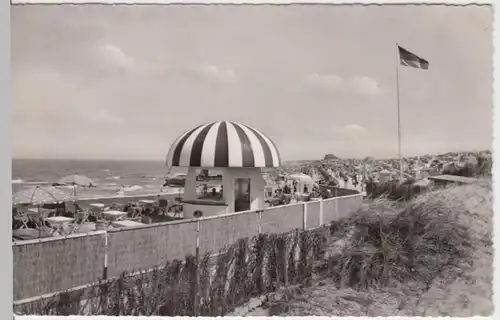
449,233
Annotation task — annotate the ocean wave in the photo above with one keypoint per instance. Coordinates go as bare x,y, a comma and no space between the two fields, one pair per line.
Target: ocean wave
29,182
111,184
113,178
131,188
172,190
66,187
148,178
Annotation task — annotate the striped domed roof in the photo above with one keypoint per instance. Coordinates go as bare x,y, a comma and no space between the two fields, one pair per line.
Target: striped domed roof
223,144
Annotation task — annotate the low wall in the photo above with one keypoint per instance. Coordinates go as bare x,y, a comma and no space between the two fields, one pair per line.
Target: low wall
313,214
217,232
207,210
52,265
282,218
142,248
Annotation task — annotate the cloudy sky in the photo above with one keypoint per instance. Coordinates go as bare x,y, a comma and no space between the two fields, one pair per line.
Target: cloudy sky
122,82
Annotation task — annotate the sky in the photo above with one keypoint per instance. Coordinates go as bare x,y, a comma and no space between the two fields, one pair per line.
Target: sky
123,82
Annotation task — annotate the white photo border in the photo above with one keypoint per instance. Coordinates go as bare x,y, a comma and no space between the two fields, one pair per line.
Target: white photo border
6,136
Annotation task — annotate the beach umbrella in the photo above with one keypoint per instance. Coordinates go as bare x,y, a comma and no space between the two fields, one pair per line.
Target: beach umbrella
301,177
37,196
78,180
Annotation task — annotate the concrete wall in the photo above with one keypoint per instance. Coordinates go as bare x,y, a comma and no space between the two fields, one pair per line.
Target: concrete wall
58,264
208,211
257,186
229,175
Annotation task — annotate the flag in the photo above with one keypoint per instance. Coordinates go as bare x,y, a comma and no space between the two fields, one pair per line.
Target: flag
408,59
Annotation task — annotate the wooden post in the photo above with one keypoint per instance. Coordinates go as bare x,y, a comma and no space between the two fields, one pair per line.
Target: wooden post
196,310
321,213
41,221
285,265
105,271
336,209
259,218
304,220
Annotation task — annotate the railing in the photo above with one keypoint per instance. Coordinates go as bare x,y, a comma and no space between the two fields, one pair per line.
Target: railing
48,266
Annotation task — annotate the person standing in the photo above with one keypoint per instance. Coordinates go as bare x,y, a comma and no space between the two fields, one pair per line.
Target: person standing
286,189
355,180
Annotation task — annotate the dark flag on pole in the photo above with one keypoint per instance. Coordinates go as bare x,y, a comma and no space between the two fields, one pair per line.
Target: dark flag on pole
408,59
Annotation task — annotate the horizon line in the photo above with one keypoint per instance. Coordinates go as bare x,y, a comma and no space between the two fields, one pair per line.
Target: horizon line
318,159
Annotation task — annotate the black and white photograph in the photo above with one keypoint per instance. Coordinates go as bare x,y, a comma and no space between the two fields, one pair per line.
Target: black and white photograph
252,160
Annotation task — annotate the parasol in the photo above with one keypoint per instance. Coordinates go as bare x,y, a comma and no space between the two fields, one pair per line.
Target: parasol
78,180
301,177
38,196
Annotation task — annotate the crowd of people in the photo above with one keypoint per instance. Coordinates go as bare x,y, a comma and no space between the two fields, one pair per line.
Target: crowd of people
337,172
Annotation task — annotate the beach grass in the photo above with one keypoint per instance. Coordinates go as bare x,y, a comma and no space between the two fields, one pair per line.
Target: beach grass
431,256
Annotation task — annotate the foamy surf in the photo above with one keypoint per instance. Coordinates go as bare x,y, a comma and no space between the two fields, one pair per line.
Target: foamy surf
35,183
133,188
171,190
111,184
66,187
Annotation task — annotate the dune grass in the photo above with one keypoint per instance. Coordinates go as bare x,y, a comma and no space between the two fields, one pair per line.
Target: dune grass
404,258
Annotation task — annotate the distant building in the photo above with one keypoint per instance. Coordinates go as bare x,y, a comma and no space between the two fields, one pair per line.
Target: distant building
330,157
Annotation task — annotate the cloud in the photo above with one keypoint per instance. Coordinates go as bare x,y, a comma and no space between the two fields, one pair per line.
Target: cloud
365,85
354,128
217,73
115,56
102,117
355,84
324,80
43,84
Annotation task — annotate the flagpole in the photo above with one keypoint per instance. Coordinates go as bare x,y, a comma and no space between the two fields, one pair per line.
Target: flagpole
399,116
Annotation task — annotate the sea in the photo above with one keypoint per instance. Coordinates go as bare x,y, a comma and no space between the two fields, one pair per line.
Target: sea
112,177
